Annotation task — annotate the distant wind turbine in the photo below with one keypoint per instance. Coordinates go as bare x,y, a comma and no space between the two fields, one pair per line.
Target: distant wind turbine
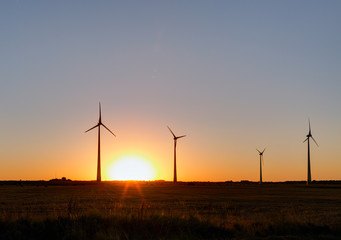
99,179
175,140
260,164
307,139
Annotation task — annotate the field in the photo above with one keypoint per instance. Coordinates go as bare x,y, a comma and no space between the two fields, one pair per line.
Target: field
163,210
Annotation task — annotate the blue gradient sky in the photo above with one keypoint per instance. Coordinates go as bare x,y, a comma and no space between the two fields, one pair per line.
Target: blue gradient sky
232,75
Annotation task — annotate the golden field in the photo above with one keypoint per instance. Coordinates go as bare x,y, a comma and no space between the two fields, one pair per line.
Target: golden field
164,210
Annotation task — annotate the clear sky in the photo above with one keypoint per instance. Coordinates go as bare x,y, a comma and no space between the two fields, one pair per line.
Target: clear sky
231,75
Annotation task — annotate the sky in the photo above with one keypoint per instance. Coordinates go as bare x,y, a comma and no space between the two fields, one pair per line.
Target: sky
231,75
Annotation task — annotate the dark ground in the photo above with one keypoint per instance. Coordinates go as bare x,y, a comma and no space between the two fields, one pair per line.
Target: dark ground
163,210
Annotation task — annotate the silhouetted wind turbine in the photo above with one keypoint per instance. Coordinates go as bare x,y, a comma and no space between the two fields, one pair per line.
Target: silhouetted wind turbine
260,164
307,139
175,140
99,179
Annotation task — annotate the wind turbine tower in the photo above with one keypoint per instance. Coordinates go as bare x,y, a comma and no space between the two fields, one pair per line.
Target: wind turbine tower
308,140
99,124
175,140
260,165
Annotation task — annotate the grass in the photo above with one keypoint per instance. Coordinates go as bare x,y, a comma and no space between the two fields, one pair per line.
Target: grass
162,210
100,227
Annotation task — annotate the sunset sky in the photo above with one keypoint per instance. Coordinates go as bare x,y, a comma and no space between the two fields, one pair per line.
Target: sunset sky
231,75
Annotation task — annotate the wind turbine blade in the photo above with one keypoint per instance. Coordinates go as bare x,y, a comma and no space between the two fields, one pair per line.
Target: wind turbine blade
258,151
108,129
309,127
100,112
314,140
181,136
171,132
92,128
305,140
264,150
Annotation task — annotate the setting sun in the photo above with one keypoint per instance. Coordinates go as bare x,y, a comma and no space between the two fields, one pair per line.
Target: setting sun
131,168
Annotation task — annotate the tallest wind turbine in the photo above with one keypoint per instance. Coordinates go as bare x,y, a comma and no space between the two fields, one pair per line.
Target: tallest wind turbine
99,124
175,179
307,139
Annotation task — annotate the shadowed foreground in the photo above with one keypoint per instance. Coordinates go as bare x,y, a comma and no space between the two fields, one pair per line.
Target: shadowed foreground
152,210
99,227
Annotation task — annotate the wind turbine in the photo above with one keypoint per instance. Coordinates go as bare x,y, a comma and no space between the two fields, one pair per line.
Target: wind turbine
175,140
307,139
99,124
260,164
